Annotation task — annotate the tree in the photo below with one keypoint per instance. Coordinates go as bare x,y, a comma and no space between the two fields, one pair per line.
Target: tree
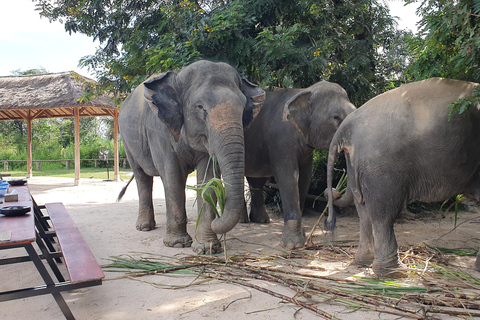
29,72
448,44
281,43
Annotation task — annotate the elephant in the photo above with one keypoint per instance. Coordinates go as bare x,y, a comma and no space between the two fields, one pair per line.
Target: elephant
280,143
172,124
402,147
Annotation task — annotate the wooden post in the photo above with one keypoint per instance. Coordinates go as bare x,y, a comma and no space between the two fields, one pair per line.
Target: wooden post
5,165
116,162
29,145
76,113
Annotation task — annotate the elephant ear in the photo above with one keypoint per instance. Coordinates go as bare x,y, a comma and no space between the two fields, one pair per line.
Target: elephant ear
162,97
297,106
297,111
255,99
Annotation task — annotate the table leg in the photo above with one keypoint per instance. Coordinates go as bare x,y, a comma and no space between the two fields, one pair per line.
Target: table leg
48,281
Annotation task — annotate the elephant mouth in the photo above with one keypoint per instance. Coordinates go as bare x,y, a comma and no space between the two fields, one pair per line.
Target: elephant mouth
203,141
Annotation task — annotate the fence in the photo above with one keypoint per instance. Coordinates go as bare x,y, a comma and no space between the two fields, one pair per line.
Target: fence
38,163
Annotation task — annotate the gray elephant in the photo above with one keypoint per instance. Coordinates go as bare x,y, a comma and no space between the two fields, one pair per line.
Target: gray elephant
277,147
170,125
400,147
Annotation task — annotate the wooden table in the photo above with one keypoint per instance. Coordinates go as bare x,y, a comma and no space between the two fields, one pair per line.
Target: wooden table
22,228
34,228
4,175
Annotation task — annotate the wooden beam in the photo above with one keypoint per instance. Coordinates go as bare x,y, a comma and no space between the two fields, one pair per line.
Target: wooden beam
116,173
86,112
111,112
76,113
29,145
36,115
22,114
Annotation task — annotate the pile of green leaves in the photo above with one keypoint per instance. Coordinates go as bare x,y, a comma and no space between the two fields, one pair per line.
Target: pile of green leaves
204,191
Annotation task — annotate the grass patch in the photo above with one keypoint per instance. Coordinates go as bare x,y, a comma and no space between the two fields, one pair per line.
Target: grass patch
85,173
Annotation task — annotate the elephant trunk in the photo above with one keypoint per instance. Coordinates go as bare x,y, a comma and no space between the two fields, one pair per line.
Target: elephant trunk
231,160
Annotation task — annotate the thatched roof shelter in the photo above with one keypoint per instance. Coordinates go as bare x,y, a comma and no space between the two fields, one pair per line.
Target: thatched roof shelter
49,96
52,96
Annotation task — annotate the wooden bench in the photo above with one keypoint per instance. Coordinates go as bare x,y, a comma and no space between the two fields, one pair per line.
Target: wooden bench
55,229
79,260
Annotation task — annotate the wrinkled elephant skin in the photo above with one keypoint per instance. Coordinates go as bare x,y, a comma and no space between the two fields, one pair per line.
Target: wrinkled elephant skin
280,143
400,147
173,123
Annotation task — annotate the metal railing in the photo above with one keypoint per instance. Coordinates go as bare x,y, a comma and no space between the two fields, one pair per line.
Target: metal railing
68,162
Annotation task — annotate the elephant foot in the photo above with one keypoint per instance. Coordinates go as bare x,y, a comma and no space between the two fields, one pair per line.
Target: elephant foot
392,268
477,262
364,258
145,223
207,247
293,236
243,215
259,214
178,240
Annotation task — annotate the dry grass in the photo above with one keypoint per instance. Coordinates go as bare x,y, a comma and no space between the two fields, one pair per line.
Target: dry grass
429,288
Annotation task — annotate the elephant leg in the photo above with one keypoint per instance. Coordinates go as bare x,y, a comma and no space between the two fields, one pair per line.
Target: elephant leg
386,248
365,252
206,241
293,235
244,213
176,234
146,218
477,262
257,201
304,179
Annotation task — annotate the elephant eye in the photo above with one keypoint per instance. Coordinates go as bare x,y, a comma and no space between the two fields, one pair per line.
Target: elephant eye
337,118
205,114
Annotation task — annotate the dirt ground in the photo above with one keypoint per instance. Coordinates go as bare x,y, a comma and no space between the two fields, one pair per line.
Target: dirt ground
109,229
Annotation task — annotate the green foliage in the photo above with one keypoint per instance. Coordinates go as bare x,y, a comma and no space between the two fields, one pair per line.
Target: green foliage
216,186
463,105
456,204
448,44
29,72
471,252
53,139
273,43
319,176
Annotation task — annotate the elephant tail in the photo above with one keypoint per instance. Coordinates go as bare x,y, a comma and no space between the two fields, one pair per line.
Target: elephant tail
120,195
333,153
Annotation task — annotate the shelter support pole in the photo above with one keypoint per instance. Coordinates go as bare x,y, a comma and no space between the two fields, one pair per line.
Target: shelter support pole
29,145
115,147
76,113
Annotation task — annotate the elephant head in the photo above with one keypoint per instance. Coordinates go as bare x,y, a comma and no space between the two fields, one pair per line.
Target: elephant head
207,105
318,111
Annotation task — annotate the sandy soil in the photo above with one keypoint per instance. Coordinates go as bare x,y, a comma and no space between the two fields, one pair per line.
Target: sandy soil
109,229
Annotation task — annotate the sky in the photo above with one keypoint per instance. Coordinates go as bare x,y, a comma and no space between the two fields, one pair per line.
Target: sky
28,41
